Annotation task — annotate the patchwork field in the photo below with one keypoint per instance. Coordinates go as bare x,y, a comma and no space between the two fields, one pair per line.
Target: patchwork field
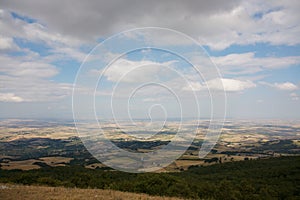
23,165
35,163
28,144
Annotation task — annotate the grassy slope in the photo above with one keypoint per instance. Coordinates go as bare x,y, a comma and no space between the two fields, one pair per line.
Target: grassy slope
276,178
12,192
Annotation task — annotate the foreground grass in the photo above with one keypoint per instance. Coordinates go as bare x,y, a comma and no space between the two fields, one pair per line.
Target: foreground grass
10,191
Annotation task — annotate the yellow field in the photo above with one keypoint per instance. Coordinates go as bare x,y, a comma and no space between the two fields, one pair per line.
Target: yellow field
57,132
29,164
185,164
55,161
23,165
94,165
12,192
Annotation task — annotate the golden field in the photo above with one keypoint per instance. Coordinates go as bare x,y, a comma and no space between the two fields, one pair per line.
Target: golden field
12,192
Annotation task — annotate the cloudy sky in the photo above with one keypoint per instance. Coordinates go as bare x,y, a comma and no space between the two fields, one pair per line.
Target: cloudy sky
255,44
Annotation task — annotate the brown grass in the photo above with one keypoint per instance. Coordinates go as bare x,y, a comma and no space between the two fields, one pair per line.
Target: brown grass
94,165
10,192
23,165
55,161
185,164
29,164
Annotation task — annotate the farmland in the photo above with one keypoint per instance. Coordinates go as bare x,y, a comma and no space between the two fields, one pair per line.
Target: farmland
255,159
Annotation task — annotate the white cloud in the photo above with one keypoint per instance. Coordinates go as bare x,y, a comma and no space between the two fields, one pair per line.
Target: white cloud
228,85
61,46
7,43
10,97
194,86
25,66
34,89
124,70
27,79
26,76
285,86
65,30
247,63
35,32
217,24
288,86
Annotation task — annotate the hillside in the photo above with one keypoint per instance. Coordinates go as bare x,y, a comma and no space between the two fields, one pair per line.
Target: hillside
12,192
274,178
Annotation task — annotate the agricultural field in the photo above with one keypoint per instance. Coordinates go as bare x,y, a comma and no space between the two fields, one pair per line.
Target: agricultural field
29,145
254,159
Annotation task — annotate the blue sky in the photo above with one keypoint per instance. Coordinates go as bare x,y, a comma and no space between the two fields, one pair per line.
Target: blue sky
255,45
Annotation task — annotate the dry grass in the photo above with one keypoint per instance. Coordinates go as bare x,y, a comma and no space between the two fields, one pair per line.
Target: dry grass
8,192
94,165
23,165
29,164
56,132
55,161
185,164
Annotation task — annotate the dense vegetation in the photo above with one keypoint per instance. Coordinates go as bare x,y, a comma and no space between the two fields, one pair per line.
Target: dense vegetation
23,149
275,178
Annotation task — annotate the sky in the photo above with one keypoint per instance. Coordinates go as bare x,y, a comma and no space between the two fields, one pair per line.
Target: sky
254,44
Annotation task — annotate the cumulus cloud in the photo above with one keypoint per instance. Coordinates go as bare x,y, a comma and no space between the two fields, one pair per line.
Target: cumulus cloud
61,46
25,75
247,63
10,97
222,84
216,23
95,19
286,86
24,66
64,28
32,31
28,89
230,85
25,80
194,86
7,44
135,71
